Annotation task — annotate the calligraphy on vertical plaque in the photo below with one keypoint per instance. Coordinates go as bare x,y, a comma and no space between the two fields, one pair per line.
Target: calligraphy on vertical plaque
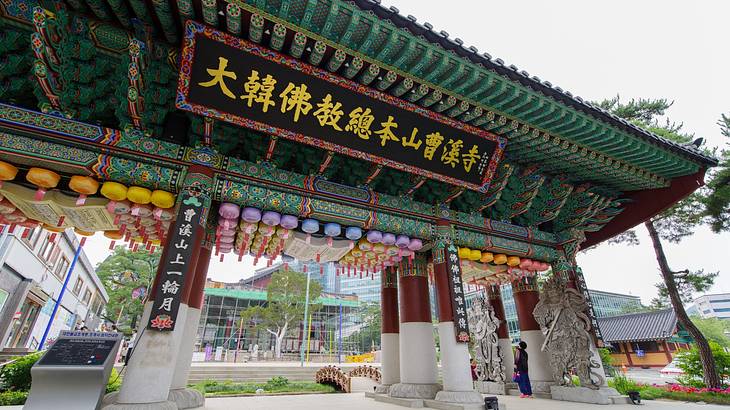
458,303
176,264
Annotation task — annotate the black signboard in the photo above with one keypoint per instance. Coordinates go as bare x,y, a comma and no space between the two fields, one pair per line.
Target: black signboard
458,302
240,82
176,265
78,352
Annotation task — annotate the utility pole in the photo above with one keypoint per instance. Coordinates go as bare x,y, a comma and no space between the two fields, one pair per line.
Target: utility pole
306,312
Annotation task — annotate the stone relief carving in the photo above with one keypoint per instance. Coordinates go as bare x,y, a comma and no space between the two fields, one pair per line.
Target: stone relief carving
562,319
484,324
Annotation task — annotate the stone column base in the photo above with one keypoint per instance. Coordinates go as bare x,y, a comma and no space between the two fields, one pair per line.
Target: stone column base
604,395
491,388
163,405
414,391
540,386
382,389
461,397
186,398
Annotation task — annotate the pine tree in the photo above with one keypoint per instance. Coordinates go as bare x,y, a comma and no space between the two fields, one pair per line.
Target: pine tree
673,225
717,202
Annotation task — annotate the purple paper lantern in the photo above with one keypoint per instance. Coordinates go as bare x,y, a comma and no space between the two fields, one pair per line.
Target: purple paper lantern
402,241
332,229
271,218
229,211
310,226
289,221
388,239
374,236
353,233
252,215
415,244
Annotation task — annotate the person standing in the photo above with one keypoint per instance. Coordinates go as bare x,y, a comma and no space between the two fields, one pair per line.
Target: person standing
521,370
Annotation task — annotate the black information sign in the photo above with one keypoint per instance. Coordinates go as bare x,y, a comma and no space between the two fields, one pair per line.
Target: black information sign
78,352
246,84
458,303
176,264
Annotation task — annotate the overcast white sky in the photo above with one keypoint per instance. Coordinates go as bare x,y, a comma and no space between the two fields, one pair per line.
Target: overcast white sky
649,48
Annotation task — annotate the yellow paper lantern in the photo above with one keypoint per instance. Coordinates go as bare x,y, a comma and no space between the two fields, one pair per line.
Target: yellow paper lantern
500,259
513,261
139,195
356,252
83,185
475,254
464,253
7,171
113,235
83,233
114,191
55,229
487,257
44,179
162,199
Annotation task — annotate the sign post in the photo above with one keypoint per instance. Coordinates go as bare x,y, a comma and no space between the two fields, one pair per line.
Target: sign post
73,372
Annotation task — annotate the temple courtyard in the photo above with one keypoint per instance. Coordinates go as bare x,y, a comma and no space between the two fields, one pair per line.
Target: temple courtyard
358,401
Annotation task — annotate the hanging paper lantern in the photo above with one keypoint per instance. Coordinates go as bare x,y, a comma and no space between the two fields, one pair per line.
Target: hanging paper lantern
464,253
487,257
44,179
513,261
228,210
8,172
402,241
289,221
374,236
353,233
332,230
415,244
310,226
84,186
15,217
162,214
119,208
266,230
475,254
526,264
225,239
163,199
271,218
251,215
388,239
379,248
282,232
227,223
364,245
114,191
248,227
226,232
141,210
500,259
83,233
113,235
139,195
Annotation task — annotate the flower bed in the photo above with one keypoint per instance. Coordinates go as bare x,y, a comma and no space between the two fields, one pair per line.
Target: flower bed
672,391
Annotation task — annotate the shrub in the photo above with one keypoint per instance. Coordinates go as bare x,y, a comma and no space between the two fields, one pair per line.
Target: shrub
276,382
114,383
624,385
13,398
689,361
16,376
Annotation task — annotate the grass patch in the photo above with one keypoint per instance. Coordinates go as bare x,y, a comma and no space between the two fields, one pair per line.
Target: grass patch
213,388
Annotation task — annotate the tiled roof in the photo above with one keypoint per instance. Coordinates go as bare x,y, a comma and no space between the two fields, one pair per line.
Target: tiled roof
639,327
523,77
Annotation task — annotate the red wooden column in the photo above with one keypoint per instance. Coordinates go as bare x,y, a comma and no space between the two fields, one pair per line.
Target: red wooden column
418,371
494,294
526,295
389,336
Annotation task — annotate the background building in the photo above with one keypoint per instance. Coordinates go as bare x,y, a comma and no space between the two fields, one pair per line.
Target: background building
713,306
647,339
605,304
34,264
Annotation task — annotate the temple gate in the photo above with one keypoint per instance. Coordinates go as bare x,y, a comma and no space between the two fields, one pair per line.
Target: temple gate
326,130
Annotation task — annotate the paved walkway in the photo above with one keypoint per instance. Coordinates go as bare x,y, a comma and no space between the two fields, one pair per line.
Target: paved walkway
358,401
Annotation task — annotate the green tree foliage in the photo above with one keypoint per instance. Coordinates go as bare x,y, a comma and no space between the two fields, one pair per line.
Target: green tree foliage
717,202
673,225
368,335
121,273
284,308
689,361
714,330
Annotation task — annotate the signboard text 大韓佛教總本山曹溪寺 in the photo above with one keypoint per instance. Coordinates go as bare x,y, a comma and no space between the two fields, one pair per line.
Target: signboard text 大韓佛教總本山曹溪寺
244,83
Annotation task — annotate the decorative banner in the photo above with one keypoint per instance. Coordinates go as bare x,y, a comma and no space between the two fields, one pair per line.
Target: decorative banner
458,304
247,84
180,248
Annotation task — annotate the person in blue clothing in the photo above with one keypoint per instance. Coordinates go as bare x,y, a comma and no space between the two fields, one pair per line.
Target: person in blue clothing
521,368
